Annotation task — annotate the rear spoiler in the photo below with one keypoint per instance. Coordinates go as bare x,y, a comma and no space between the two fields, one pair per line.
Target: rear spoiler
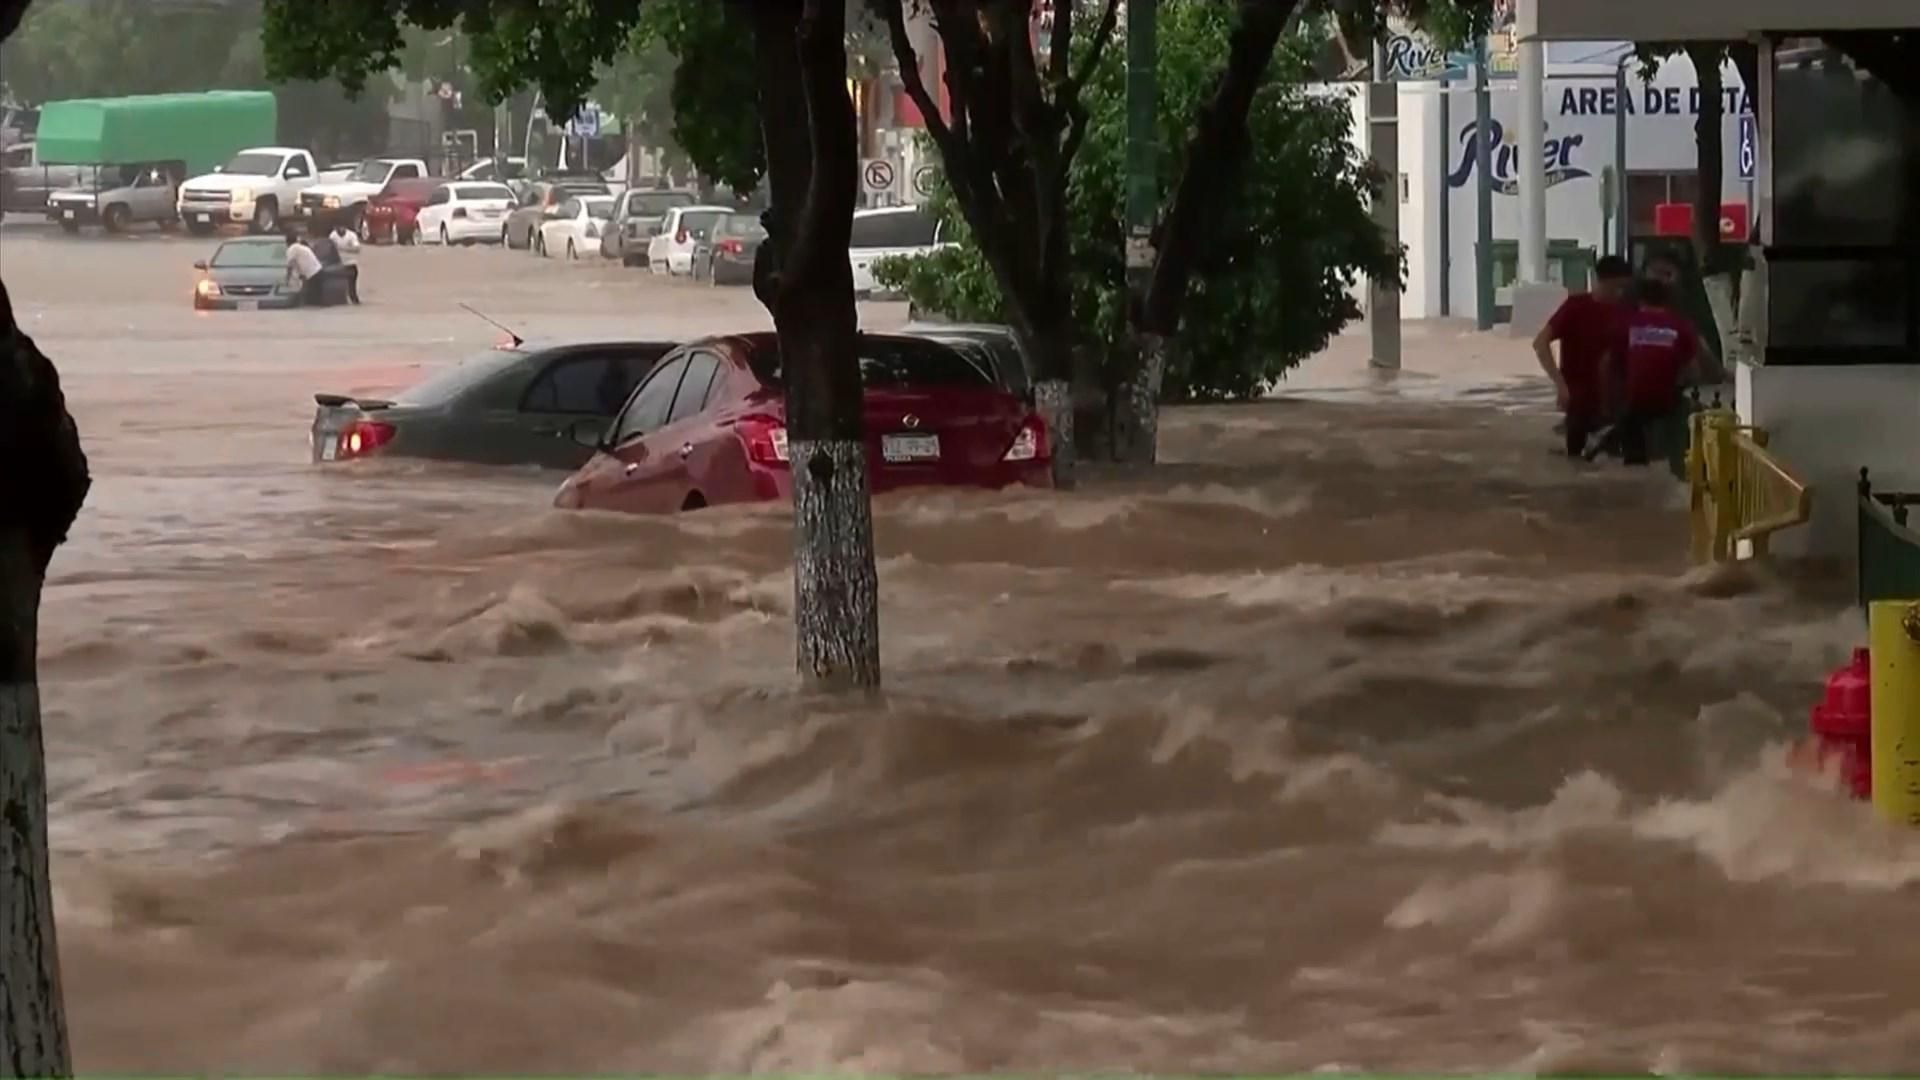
336,401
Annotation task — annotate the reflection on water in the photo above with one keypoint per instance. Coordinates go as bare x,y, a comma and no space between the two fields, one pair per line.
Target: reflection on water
1360,734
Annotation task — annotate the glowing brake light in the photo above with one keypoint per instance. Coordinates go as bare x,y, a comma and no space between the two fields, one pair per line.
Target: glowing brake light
680,237
766,441
364,437
1030,444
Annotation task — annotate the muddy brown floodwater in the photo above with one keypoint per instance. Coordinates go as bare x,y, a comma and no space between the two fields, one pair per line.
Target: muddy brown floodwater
1362,733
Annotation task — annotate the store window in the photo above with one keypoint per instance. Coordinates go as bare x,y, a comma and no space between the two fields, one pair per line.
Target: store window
1843,252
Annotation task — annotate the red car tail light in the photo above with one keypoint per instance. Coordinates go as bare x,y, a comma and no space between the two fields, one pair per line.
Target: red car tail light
731,247
363,437
1030,444
766,440
459,211
680,237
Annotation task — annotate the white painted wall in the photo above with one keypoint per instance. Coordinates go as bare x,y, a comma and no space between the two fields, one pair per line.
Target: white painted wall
1826,423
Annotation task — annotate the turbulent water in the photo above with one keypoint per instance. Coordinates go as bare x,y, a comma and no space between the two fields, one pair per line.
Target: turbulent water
1362,733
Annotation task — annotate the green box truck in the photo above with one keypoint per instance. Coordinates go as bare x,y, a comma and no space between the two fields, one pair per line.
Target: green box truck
143,147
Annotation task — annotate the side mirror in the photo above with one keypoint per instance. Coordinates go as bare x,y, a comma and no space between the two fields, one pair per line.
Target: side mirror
219,168
199,264
591,434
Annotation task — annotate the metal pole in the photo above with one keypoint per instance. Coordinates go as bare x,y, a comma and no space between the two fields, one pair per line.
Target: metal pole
1142,142
1622,234
1531,144
1445,206
1483,190
1383,138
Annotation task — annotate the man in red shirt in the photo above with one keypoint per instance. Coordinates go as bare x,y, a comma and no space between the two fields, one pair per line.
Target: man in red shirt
1585,326
1655,352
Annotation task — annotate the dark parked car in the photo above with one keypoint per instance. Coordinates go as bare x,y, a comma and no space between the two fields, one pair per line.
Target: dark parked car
708,427
511,405
726,256
244,273
541,204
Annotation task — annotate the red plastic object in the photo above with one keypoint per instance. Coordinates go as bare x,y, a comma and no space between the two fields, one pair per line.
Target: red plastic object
1842,723
1676,219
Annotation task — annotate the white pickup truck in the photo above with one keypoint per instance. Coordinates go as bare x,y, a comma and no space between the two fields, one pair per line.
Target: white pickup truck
346,200
258,187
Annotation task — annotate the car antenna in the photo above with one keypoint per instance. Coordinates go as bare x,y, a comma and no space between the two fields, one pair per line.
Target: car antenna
516,338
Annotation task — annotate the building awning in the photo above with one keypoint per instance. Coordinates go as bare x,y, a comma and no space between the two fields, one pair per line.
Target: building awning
1705,20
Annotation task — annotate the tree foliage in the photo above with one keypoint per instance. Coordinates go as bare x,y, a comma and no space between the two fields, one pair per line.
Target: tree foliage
711,89
1272,286
557,45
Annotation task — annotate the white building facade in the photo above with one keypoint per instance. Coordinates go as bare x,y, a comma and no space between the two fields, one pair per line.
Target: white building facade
1439,205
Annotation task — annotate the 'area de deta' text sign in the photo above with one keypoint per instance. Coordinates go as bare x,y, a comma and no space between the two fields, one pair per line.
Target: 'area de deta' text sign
1562,154
1650,101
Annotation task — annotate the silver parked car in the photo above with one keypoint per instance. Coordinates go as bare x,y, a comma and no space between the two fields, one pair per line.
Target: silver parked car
635,217
119,197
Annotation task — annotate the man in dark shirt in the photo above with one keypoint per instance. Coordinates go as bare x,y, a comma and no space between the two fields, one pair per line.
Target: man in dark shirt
1585,326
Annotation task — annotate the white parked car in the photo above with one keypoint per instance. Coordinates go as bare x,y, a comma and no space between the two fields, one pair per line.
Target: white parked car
890,230
575,228
465,212
671,249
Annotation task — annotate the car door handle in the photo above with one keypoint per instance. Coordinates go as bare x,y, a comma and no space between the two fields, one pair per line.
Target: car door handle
633,467
686,450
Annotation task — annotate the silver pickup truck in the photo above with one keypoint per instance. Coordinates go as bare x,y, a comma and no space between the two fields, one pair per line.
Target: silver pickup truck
137,193
26,181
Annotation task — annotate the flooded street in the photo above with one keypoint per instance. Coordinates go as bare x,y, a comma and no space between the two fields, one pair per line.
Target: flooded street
1363,733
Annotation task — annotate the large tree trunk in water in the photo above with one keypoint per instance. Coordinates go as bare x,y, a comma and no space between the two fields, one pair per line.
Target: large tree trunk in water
1710,145
1134,409
803,276
39,496
1208,178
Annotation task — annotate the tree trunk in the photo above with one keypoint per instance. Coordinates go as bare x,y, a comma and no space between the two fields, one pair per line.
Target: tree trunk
38,503
813,161
1135,405
1211,170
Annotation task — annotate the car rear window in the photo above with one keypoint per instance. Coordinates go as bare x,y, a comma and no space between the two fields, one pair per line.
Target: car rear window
741,225
444,386
658,202
892,229
898,362
485,191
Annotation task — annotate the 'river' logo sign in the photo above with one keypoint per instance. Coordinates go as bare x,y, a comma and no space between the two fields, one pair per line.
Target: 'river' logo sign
1505,156
1409,56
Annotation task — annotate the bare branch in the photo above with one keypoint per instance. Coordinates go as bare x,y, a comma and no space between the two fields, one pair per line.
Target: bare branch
1214,156
1101,36
1060,41
894,11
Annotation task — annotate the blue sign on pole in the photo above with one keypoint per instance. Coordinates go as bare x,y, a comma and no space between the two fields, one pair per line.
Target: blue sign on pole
1749,148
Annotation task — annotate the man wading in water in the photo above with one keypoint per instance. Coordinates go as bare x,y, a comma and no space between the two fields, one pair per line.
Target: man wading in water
1586,326
1654,354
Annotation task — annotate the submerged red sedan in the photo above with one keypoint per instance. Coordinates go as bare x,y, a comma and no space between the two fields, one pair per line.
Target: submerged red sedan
707,428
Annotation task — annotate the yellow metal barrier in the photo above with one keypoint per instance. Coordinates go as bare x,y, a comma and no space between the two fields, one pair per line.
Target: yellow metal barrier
1894,636
1740,492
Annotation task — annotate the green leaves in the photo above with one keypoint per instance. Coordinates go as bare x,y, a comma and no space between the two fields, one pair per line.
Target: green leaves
554,45
1273,284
